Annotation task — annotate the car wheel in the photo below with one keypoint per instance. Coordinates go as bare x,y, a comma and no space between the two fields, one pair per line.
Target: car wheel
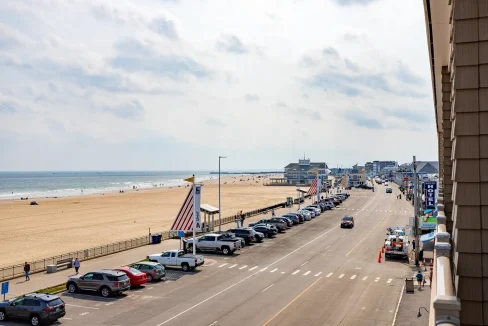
105,292
72,288
34,320
3,315
149,278
185,267
270,235
226,250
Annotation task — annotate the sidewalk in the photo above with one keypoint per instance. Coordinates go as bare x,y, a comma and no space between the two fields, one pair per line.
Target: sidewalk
411,302
19,286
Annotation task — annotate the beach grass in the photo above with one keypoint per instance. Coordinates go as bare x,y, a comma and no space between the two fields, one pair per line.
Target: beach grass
53,289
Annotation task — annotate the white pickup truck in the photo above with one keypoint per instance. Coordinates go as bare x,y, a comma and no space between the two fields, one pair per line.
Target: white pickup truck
213,242
176,257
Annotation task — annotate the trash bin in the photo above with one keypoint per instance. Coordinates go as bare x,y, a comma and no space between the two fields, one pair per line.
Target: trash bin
154,239
160,237
409,285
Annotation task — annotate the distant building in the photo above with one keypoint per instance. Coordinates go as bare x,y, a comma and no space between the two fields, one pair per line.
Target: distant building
356,176
428,169
303,172
375,167
368,167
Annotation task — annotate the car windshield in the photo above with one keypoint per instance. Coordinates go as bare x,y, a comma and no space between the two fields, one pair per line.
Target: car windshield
159,267
114,278
133,271
347,218
55,302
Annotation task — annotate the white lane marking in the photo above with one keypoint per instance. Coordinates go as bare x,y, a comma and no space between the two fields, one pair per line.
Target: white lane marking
343,236
377,279
262,270
295,272
327,247
215,322
398,305
329,275
306,273
353,277
341,276
73,305
268,287
367,235
244,279
243,267
318,274
223,265
304,263
364,278
84,313
389,280
233,266
66,318
251,269
274,270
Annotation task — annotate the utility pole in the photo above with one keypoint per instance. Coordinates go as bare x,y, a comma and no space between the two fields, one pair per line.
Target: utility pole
416,211
220,215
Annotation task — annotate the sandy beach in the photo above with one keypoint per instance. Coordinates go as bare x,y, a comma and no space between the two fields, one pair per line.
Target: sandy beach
62,225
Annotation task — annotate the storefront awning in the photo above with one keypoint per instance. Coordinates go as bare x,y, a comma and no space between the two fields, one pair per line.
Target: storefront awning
427,237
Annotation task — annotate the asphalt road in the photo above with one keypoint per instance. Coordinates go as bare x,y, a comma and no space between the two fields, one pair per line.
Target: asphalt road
314,274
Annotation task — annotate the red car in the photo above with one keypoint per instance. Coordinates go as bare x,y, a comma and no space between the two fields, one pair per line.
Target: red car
136,277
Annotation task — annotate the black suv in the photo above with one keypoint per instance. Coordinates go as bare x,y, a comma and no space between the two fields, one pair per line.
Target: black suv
247,234
37,308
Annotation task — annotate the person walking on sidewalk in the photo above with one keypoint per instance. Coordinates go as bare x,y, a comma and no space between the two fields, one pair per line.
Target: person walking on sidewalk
76,265
419,277
26,271
272,212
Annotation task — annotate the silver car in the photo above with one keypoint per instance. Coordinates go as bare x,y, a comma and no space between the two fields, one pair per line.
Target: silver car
104,281
306,215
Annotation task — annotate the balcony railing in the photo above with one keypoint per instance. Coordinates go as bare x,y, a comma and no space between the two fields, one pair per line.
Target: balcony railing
445,307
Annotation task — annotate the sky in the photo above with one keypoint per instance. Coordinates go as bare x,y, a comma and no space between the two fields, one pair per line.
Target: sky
173,84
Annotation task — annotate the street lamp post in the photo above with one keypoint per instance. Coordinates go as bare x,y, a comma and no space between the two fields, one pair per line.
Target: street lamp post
220,215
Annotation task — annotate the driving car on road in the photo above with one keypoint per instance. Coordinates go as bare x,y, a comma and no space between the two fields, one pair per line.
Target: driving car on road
37,308
154,271
136,277
347,222
104,281
389,190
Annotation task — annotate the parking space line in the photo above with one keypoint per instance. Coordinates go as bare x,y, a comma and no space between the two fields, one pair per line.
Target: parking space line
232,266
253,268
377,279
306,273
243,267
268,287
274,270
295,272
329,275
304,263
223,265
389,280
341,276
73,305
364,278
262,270
66,318
318,274
353,277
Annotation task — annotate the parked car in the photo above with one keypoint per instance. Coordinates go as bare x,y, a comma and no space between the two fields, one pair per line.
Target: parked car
248,234
329,204
178,258
241,243
212,242
294,218
280,225
266,229
317,210
136,277
154,271
318,206
306,214
347,222
37,308
104,281
287,221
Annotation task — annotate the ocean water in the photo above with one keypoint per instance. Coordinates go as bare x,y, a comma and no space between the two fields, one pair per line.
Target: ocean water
14,185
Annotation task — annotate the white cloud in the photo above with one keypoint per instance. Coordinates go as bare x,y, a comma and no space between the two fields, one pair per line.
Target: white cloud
199,75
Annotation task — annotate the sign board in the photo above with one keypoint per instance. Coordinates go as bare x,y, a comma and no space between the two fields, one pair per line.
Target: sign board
411,221
4,288
181,234
430,188
427,223
196,205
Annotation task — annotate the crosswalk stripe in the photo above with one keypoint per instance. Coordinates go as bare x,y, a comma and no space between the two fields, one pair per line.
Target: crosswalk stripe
364,278
243,267
223,265
389,280
353,277
232,266
318,273
295,272
262,270
377,279
306,273
251,269
341,276
329,275
274,270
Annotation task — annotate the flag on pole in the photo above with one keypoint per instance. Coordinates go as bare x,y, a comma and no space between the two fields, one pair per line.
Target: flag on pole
313,188
191,179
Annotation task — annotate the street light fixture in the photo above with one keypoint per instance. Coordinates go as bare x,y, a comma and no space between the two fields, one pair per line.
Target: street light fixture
220,215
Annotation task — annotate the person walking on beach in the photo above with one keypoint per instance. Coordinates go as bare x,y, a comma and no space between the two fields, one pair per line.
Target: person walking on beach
26,271
76,265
